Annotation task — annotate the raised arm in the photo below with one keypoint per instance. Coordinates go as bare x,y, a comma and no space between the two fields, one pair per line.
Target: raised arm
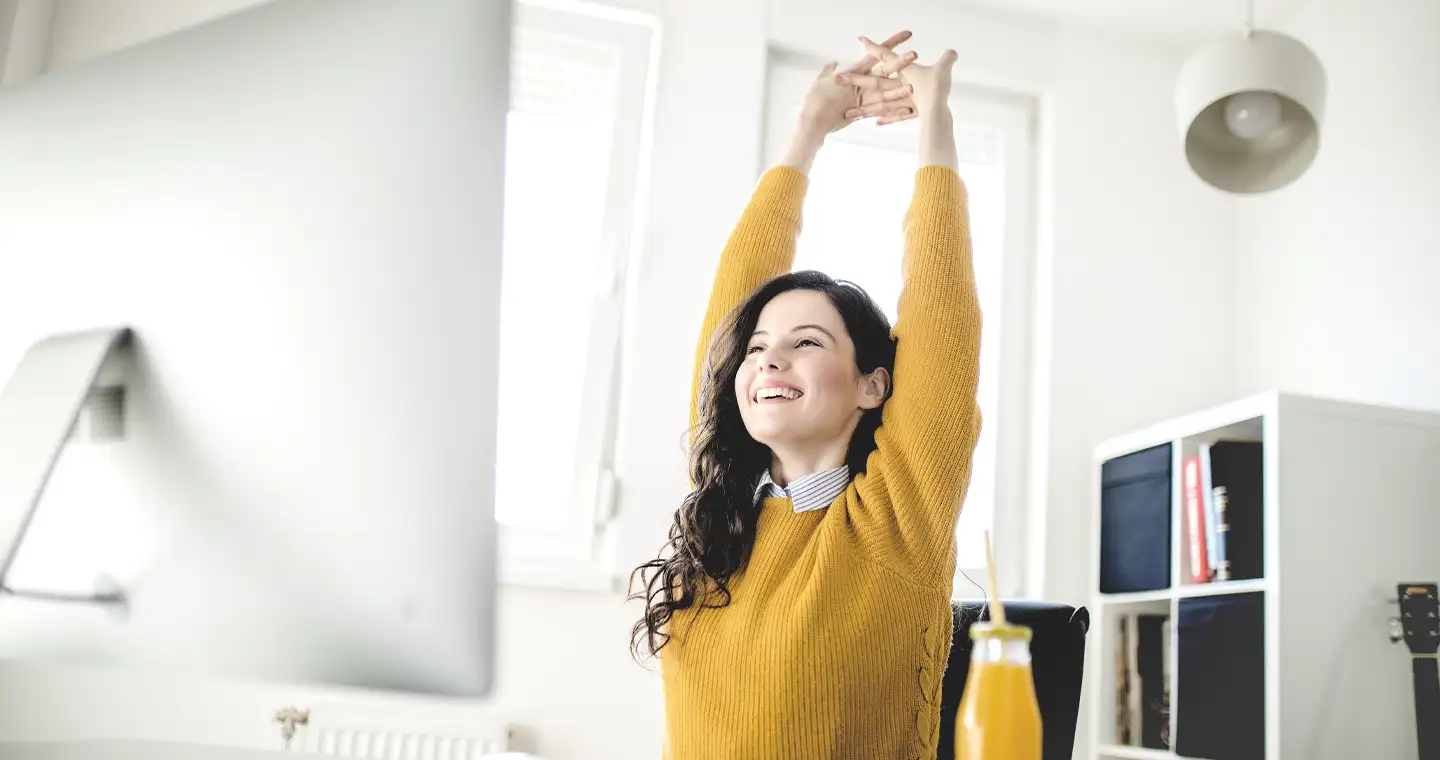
763,243
916,479
761,246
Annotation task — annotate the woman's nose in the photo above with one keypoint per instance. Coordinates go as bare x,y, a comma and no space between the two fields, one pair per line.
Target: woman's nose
770,360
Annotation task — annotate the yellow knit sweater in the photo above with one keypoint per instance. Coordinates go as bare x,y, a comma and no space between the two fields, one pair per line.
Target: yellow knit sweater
836,638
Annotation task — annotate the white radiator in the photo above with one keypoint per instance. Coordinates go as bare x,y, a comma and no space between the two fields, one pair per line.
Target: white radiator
394,745
346,733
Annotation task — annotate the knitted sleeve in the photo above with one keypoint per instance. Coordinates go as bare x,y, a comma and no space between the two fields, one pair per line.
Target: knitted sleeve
915,480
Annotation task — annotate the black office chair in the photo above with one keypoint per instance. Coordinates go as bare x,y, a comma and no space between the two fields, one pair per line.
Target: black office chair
1057,653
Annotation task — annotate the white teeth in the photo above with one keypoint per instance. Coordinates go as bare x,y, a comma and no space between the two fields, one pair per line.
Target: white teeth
769,393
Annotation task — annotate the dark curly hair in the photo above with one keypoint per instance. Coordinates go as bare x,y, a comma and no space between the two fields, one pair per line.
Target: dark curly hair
714,528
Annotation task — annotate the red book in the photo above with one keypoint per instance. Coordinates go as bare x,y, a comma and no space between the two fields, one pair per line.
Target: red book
1195,510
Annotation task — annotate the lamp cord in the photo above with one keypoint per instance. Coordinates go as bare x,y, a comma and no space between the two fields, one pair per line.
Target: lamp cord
1249,18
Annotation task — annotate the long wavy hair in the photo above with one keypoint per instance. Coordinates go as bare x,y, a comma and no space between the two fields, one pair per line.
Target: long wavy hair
714,528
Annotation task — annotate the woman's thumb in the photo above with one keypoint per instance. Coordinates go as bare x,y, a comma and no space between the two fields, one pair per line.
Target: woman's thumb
948,58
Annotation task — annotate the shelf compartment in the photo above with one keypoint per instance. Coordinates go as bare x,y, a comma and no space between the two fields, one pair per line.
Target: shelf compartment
1221,473
1136,673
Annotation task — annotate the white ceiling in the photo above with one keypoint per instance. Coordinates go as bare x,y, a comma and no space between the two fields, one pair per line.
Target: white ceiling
1171,22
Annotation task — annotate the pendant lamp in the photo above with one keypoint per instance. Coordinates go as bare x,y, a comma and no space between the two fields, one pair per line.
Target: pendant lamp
1250,108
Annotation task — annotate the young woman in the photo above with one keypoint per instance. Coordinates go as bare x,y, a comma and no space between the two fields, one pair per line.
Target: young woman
802,609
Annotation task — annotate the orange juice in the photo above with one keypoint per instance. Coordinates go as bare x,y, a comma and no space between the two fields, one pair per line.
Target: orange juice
999,716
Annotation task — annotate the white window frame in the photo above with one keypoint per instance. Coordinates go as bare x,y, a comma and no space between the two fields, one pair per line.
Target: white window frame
1014,117
570,557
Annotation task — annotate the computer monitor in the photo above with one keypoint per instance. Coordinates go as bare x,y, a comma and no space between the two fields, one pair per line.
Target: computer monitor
294,214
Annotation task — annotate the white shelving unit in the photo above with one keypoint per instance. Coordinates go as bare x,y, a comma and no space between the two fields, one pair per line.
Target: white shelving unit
1351,508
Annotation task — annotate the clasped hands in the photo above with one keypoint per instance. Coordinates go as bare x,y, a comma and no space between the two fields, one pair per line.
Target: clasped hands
888,86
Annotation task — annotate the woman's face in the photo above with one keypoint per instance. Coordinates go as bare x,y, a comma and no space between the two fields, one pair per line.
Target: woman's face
798,386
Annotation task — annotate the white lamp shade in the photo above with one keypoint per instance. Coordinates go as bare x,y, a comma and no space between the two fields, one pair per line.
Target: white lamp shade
1261,70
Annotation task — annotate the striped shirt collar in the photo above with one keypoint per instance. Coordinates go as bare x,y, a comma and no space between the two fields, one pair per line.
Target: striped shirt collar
808,492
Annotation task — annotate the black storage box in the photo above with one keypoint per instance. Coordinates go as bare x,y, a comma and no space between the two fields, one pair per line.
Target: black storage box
1221,678
1135,510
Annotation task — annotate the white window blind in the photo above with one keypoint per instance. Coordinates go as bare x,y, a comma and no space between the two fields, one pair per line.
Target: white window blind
559,75
557,162
861,186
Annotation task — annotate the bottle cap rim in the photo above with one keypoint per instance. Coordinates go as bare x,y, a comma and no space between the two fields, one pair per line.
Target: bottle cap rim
1008,631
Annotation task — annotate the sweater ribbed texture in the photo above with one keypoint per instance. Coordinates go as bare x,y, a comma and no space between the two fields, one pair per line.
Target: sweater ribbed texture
838,630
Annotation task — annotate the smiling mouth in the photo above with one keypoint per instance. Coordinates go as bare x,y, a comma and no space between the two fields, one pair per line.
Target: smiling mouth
777,395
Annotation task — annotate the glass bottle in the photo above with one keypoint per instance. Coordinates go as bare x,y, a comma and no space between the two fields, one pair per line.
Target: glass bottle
999,717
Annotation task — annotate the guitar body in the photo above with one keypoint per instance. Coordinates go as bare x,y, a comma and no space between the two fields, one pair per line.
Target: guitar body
1420,623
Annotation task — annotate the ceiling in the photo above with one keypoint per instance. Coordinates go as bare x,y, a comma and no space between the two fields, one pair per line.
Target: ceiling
1172,22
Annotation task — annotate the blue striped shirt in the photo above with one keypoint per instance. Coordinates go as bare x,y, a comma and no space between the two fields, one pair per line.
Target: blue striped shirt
814,491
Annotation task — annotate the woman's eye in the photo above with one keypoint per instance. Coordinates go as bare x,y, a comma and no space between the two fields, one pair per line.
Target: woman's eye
805,341
753,349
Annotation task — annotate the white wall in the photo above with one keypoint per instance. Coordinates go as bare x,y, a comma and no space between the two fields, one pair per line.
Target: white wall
1337,272
1134,270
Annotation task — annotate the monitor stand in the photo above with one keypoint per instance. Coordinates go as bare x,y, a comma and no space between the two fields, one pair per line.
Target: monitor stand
39,407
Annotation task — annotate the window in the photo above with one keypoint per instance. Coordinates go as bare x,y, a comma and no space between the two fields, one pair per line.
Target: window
578,97
874,167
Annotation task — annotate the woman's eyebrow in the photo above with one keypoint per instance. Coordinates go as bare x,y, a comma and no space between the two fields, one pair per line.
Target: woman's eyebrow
828,334
798,328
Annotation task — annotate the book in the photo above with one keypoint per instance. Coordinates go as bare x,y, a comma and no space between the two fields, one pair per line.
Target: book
1221,497
1195,517
1150,665
1166,637
1207,486
1134,696
1122,682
